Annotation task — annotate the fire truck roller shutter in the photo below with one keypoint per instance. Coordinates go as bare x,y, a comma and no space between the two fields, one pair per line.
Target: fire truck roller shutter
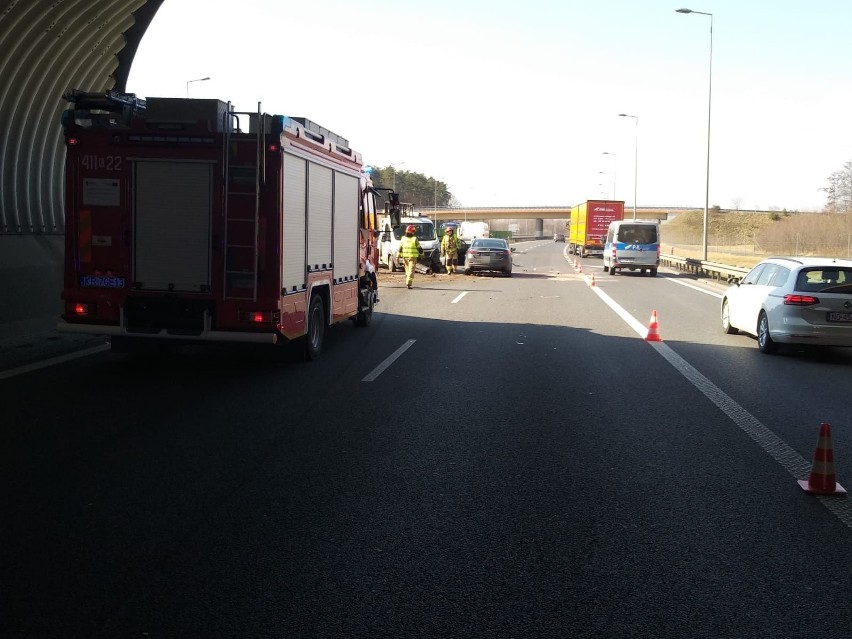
293,277
172,216
320,208
345,227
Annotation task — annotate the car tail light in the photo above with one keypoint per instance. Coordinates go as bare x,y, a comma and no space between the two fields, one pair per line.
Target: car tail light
472,252
792,299
506,253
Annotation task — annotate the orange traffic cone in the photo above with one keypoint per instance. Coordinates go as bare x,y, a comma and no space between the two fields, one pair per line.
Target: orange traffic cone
653,329
821,481
592,283
579,267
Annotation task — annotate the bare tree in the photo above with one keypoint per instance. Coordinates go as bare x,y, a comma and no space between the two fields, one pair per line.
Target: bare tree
737,202
839,190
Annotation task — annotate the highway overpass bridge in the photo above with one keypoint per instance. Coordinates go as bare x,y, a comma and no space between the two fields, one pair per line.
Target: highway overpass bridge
537,213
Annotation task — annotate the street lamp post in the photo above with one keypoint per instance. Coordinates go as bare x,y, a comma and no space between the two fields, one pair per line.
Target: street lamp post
635,156
197,80
606,174
614,161
709,103
394,174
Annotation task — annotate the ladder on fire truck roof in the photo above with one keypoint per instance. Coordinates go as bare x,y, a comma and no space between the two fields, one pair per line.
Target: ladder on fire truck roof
242,182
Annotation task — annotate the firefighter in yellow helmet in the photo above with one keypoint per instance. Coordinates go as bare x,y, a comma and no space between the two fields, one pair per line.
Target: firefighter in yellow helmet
410,251
450,245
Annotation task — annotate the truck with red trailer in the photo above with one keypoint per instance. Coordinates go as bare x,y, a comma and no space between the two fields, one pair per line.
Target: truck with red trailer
588,225
187,221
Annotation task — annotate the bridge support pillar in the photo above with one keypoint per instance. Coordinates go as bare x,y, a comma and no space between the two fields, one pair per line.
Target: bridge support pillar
539,229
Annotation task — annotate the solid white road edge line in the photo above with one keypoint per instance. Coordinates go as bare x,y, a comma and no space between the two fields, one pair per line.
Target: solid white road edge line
461,295
378,370
693,287
52,361
771,444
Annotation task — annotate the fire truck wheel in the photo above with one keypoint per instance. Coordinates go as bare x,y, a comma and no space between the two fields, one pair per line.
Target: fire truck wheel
316,328
364,317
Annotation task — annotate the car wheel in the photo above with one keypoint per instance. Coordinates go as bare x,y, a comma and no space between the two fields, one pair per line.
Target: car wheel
653,272
643,272
467,271
507,273
613,270
764,340
316,328
726,319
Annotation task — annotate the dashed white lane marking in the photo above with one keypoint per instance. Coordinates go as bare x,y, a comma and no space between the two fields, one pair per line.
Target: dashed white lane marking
52,361
378,370
773,445
458,299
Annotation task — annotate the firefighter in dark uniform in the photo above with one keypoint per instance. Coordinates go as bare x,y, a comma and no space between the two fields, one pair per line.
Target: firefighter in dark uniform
450,245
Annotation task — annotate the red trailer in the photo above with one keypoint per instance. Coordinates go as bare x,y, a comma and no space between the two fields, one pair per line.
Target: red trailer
589,223
188,221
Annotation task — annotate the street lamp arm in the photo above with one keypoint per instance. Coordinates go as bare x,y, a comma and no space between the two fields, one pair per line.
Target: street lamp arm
196,80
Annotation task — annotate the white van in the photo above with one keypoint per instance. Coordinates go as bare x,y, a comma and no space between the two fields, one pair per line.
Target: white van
632,244
389,239
469,231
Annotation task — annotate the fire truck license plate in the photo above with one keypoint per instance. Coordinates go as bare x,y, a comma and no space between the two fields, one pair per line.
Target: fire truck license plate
102,281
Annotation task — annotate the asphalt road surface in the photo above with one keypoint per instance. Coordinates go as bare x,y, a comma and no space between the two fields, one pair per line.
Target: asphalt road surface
492,457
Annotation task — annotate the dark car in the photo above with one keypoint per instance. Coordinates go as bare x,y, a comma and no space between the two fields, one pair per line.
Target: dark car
488,254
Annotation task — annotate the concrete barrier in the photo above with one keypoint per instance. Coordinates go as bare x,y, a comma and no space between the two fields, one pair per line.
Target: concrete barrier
30,282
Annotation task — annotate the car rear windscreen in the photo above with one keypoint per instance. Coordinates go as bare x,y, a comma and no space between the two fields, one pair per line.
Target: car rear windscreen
637,234
825,280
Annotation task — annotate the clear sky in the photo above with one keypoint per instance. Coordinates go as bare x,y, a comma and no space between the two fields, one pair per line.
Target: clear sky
514,103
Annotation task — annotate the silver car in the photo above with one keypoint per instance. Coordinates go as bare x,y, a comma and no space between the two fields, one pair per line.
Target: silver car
792,300
488,254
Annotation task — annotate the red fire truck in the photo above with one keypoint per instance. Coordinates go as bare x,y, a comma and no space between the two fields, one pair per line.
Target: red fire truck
189,221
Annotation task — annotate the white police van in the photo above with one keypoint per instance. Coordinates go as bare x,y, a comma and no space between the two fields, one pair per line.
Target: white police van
634,245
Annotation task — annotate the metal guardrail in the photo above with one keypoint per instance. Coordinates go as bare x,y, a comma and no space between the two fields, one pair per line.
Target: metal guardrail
713,270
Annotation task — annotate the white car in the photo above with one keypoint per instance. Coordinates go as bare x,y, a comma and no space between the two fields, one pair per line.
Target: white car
792,300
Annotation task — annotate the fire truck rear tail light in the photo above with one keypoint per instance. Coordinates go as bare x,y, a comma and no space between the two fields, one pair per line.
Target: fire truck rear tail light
260,317
274,148
72,141
80,309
